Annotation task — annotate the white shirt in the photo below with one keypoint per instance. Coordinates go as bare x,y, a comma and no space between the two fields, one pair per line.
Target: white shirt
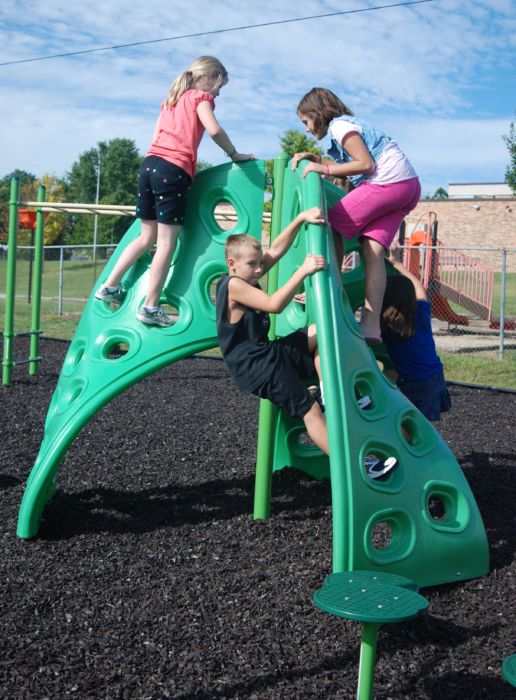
392,164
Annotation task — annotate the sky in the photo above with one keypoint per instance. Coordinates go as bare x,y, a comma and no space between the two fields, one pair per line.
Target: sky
438,76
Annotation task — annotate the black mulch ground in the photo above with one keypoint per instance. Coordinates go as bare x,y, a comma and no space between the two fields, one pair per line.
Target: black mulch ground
150,578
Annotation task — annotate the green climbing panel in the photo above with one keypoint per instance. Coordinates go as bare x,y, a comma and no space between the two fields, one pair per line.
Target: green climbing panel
111,350
404,512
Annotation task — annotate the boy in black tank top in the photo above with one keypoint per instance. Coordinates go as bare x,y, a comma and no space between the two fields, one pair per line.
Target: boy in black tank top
275,369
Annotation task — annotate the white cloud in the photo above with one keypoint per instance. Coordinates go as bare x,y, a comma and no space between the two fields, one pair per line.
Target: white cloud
418,71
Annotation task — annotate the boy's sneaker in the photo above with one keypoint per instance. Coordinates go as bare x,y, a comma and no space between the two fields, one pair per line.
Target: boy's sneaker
109,294
315,393
154,317
378,469
364,402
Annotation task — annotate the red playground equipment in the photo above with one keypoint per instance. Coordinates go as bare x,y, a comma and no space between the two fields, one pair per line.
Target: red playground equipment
449,276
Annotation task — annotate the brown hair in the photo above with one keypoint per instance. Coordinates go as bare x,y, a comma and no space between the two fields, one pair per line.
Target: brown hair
399,307
322,105
237,241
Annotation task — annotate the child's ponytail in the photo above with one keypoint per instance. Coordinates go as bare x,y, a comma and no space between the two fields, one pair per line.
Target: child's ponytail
204,66
183,82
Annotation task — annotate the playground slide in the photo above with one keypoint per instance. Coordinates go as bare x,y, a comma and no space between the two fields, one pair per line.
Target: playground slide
420,546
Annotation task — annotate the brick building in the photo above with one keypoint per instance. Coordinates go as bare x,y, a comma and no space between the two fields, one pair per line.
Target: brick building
472,221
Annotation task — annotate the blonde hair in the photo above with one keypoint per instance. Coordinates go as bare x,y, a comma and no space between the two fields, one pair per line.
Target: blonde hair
322,105
204,66
235,243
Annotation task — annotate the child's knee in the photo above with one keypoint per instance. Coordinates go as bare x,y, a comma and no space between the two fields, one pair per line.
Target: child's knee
312,337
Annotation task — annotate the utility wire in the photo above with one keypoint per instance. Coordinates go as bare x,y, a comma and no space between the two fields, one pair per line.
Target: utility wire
214,31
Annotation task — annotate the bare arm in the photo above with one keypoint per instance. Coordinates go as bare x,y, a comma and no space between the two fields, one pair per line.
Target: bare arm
285,239
245,294
217,133
361,162
399,267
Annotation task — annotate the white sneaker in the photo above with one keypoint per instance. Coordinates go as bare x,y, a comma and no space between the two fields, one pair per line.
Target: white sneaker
364,402
378,469
156,317
109,294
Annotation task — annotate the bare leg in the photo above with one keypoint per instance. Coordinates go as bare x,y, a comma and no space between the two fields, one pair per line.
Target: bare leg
134,250
167,235
316,427
314,420
313,348
375,282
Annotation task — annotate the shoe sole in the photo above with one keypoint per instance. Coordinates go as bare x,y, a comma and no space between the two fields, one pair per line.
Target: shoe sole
364,402
118,299
150,322
385,468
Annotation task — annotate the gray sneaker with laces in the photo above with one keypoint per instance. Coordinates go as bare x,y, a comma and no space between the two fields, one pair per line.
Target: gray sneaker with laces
152,317
109,294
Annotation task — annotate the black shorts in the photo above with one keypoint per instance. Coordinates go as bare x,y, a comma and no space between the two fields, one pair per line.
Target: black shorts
162,190
286,386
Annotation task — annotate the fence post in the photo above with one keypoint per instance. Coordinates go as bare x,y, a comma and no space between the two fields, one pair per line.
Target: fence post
502,303
35,331
10,287
60,287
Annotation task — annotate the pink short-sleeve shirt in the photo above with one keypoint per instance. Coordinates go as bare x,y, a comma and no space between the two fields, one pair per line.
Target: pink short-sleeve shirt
179,131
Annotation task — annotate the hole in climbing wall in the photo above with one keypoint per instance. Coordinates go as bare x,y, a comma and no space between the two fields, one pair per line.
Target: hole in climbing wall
71,393
212,289
381,536
389,536
445,507
436,508
417,432
305,440
371,400
116,350
74,356
226,216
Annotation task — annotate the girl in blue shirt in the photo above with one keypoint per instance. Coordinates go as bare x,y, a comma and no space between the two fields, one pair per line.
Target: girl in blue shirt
407,333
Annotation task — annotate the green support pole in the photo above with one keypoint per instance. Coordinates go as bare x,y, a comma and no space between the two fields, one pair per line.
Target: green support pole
268,411
10,287
367,660
34,356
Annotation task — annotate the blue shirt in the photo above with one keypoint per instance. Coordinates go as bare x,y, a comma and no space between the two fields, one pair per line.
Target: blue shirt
416,358
375,141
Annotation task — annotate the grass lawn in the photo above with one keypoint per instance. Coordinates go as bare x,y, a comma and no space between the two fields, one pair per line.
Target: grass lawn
479,368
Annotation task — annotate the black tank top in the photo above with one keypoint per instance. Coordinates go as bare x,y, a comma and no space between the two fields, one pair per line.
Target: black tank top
248,353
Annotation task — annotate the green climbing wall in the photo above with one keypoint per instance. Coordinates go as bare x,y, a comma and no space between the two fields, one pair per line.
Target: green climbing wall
394,525
111,350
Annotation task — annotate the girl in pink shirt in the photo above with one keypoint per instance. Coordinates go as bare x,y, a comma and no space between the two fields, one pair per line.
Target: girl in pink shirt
165,176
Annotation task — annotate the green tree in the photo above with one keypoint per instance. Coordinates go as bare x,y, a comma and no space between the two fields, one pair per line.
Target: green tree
118,161
440,193
510,173
203,165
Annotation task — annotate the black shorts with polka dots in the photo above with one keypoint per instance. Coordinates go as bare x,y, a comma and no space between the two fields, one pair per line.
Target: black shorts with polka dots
162,191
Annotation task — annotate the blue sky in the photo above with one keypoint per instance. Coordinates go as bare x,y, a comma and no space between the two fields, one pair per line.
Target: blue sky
439,77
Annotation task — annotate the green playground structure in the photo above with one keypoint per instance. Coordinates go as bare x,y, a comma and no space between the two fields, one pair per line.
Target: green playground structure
111,351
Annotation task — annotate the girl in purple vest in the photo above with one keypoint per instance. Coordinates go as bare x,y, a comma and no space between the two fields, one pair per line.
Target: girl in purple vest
385,189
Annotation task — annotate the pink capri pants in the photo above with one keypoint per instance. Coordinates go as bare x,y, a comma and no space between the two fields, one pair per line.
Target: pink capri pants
375,211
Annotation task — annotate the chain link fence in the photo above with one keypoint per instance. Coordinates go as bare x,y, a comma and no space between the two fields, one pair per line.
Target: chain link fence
473,303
